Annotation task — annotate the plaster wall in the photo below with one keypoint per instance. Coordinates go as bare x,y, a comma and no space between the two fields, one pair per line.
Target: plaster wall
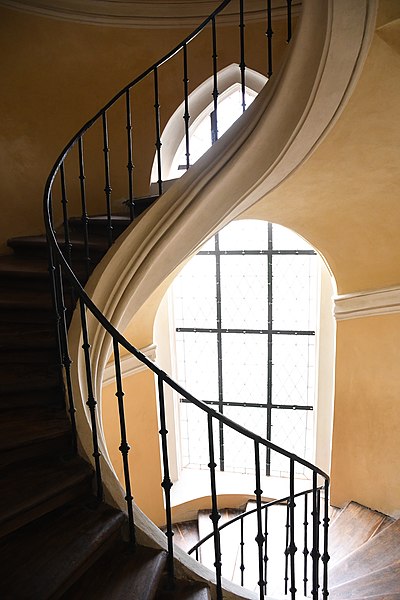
57,74
345,201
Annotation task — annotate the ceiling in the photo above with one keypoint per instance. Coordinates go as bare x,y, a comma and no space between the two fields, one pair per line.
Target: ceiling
141,13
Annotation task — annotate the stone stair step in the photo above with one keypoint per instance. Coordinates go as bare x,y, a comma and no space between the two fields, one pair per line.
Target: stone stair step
43,559
376,583
122,573
31,489
354,526
377,553
185,590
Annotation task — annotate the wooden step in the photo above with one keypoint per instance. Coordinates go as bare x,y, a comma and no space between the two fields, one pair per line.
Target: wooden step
26,434
36,246
13,268
31,489
16,335
52,397
380,597
21,377
98,225
352,528
186,534
121,574
230,540
377,553
43,559
379,583
185,590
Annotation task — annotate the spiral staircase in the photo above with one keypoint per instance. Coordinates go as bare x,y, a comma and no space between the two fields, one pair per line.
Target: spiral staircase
59,539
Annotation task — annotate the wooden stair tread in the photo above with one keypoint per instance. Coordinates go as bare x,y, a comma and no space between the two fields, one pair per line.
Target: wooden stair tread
352,528
380,551
20,377
51,397
30,489
25,267
44,558
27,428
121,574
382,582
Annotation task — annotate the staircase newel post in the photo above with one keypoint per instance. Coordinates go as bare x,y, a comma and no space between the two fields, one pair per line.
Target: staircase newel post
215,515
124,447
259,537
325,555
166,482
91,401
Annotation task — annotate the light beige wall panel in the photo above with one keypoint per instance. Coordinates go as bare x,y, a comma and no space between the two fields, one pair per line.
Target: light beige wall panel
365,452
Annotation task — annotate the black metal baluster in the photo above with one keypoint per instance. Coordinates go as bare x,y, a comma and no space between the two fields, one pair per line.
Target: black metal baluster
325,556
166,483
270,33
292,545
124,447
186,116
62,339
289,20
242,63
64,202
91,402
214,516
107,187
242,567
215,93
315,554
84,217
287,526
259,537
130,165
266,549
158,131
305,550
197,554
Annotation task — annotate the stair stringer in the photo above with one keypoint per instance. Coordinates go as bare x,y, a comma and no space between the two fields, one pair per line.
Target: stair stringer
286,122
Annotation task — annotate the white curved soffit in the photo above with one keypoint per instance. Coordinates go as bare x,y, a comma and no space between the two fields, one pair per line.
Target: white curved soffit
276,134
144,13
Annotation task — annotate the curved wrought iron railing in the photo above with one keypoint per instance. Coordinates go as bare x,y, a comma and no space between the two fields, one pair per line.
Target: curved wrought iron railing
69,180
310,529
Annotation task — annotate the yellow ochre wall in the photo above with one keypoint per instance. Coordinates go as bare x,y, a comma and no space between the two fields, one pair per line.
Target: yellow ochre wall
345,201
56,74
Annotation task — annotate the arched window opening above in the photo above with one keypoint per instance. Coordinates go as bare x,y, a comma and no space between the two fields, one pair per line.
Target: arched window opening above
200,108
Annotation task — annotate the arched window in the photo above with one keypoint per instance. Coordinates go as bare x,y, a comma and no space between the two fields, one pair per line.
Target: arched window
200,108
246,311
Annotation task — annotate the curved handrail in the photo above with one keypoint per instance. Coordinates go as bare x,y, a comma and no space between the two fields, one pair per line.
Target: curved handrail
247,514
60,266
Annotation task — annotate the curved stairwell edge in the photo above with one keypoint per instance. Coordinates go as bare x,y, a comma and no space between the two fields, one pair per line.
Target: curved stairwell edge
278,132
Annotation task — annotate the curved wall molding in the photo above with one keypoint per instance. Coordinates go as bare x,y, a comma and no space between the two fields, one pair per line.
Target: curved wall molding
144,14
129,365
370,303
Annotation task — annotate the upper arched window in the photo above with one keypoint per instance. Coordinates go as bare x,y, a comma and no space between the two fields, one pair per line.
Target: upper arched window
200,108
